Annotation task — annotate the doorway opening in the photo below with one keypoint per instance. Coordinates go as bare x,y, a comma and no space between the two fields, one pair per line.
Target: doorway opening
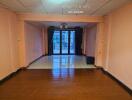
63,42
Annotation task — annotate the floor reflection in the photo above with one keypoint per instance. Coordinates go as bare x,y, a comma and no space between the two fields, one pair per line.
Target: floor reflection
63,67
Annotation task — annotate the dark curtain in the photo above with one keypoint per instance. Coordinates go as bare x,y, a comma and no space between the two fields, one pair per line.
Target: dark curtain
78,40
50,38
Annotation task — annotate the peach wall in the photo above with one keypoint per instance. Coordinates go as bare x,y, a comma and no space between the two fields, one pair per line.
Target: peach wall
91,41
33,42
9,43
94,42
21,43
84,40
59,18
45,40
119,40
99,49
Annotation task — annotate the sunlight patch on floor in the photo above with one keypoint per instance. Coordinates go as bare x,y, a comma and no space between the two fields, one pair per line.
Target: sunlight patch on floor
61,61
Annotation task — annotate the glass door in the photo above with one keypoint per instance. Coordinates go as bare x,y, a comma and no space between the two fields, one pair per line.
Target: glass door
65,41
56,42
72,42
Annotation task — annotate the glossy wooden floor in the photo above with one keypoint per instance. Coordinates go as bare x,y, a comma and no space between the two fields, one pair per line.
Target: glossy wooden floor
64,84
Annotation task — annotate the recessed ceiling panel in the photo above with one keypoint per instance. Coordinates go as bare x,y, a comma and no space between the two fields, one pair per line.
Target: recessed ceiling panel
14,5
94,5
113,4
30,3
62,7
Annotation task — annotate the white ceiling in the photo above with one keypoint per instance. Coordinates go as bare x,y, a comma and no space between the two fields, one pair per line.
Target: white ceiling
89,7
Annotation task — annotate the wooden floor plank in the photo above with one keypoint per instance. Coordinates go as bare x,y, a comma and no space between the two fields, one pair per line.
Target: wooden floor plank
67,84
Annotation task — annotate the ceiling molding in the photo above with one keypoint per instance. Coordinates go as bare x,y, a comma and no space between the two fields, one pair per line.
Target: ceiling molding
59,18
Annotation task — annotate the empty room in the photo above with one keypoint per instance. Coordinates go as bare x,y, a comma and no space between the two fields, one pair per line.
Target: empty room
65,49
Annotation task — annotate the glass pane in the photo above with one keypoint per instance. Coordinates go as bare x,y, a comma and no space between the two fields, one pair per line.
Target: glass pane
72,42
56,42
64,42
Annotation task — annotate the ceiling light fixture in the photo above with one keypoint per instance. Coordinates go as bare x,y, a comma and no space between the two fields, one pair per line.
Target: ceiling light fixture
76,12
63,26
58,1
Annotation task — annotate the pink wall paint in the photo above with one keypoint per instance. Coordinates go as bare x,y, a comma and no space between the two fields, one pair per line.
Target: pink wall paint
59,18
45,40
119,44
84,40
33,42
99,49
91,41
8,42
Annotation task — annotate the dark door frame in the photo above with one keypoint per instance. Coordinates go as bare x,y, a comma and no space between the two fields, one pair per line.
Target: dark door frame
69,37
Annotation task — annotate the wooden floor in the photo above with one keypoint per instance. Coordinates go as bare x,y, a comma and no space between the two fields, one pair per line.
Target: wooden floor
66,84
